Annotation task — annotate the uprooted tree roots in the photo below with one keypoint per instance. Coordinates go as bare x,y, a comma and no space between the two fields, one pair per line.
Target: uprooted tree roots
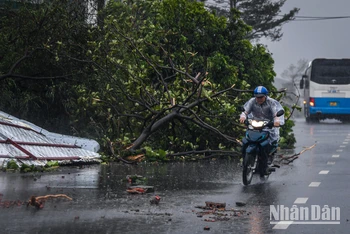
287,159
38,201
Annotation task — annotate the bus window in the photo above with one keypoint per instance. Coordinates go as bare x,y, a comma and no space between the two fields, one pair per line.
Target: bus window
331,71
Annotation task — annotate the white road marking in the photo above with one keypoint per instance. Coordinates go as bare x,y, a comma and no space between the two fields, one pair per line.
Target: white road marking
301,200
314,184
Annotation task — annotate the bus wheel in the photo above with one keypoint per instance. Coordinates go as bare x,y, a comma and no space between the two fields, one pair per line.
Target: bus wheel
308,119
345,120
312,119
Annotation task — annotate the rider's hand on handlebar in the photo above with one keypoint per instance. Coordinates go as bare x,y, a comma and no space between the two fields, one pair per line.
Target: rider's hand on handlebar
241,119
276,124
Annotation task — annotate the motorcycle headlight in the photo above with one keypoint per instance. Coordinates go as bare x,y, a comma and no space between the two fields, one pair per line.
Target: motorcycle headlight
257,124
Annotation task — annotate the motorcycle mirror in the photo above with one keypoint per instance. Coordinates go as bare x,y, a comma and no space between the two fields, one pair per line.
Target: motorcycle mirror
280,113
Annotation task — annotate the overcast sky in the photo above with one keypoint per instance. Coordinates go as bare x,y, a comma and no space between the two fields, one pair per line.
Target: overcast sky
312,39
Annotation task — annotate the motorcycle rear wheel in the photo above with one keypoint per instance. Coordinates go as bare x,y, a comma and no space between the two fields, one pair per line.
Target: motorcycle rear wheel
249,167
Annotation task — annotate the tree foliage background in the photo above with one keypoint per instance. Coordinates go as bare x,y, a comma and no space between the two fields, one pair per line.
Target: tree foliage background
164,77
264,16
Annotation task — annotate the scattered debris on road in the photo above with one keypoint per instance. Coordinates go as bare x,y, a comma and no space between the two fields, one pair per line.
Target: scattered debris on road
240,203
136,190
140,189
217,212
155,200
136,158
212,205
136,179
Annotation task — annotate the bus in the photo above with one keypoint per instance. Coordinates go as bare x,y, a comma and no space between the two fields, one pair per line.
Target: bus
326,84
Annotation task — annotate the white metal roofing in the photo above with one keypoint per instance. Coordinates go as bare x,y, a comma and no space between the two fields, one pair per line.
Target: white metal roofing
27,143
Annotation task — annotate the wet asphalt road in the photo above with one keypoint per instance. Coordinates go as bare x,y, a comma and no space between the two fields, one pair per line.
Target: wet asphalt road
101,204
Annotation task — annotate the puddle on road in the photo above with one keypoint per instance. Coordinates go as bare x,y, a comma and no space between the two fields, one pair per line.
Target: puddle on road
109,181
101,203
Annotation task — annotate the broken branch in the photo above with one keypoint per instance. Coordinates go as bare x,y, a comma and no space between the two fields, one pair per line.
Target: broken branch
289,159
38,201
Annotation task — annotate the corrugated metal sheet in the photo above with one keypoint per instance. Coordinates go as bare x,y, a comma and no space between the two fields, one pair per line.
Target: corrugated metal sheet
84,143
21,141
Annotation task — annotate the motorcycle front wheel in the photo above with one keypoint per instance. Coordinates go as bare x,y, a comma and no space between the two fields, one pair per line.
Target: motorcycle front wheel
249,166
263,169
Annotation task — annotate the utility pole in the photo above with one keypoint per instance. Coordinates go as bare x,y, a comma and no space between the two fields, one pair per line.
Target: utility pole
233,4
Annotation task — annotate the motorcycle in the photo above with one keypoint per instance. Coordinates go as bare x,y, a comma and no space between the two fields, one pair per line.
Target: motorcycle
256,138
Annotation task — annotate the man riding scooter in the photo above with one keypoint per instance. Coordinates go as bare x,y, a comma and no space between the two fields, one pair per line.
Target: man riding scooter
264,107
